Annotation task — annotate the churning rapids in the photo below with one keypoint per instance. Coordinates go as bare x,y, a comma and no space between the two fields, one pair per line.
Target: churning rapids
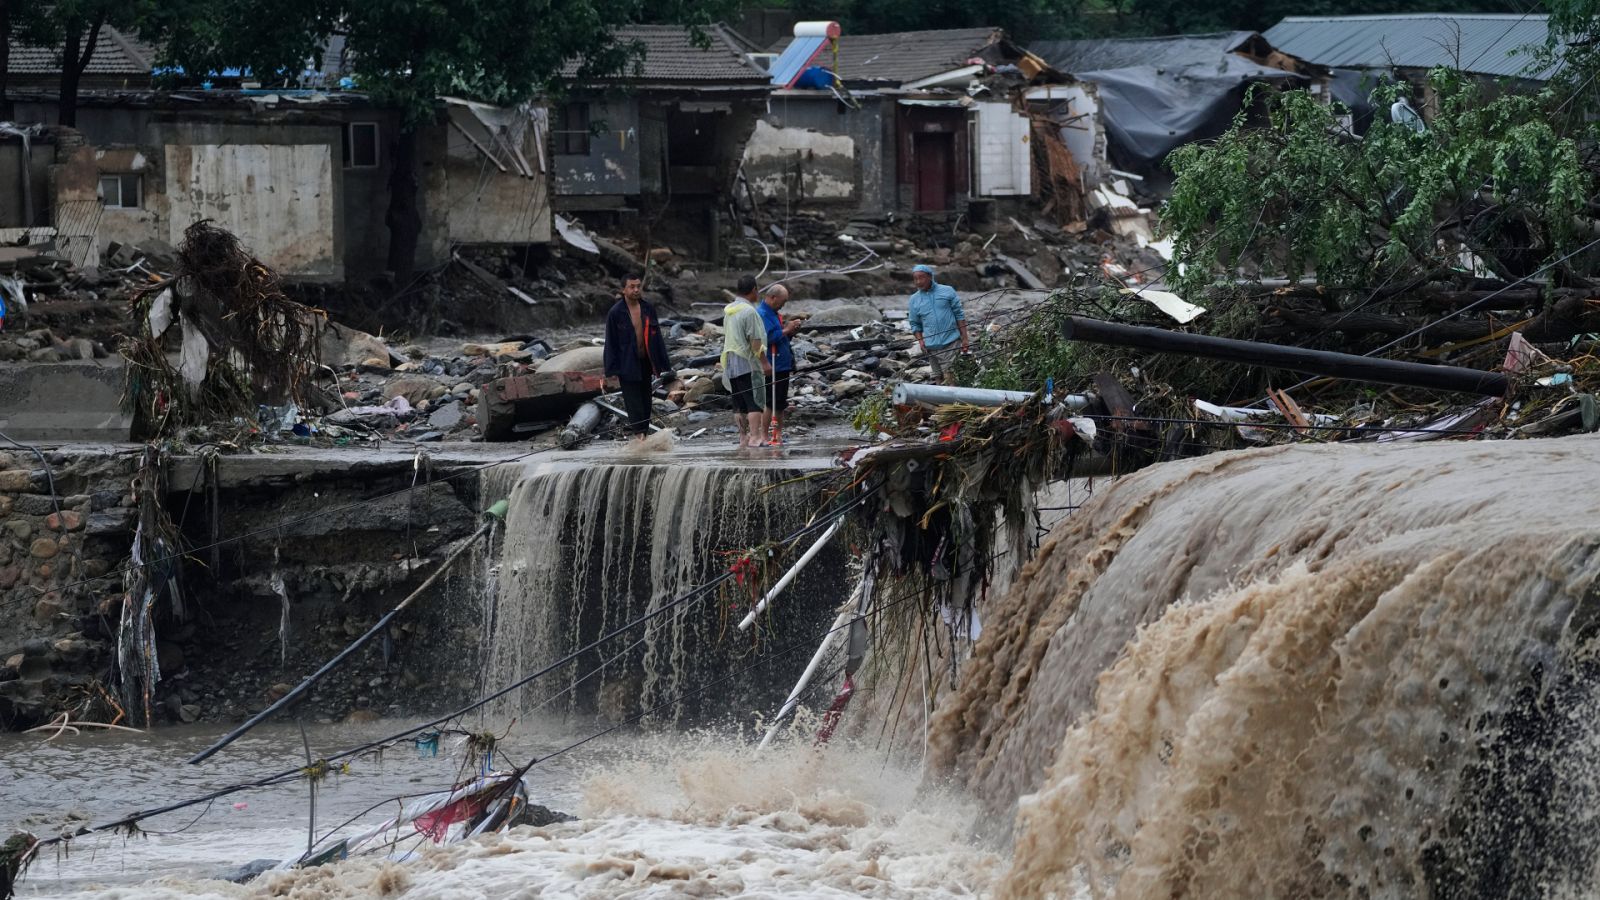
1295,672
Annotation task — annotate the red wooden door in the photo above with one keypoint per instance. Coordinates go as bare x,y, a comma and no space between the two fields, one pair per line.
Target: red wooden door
935,158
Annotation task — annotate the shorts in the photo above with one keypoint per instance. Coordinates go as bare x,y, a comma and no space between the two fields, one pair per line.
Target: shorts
942,358
747,393
779,392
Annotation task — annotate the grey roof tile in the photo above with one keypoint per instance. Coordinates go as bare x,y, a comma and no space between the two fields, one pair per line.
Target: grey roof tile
904,56
116,53
671,56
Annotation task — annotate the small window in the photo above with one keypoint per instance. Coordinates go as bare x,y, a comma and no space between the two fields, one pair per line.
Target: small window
123,191
571,131
361,145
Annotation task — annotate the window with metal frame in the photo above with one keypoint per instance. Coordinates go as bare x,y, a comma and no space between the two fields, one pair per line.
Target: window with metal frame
361,145
122,190
571,131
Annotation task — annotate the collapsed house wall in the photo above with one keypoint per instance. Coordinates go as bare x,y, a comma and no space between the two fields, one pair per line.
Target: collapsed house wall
281,195
799,164
484,203
804,122
273,182
1075,108
610,168
306,187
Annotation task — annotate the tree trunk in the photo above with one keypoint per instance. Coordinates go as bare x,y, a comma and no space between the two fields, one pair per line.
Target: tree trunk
404,218
75,56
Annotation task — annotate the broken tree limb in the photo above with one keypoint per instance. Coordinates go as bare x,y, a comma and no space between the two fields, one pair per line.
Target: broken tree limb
794,570
1294,359
330,665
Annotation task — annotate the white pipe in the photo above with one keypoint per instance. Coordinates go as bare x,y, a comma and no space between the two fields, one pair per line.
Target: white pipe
834,631
789,575
907,393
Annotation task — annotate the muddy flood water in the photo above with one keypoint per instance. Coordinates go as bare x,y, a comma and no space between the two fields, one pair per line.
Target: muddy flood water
660,816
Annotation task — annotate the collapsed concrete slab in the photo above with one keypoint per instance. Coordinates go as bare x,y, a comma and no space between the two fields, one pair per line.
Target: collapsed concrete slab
69,401
538,397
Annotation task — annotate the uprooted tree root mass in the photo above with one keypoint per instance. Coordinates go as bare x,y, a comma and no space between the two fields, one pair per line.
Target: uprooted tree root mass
242,342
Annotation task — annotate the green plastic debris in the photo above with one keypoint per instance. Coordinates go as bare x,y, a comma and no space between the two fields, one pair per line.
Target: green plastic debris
498,510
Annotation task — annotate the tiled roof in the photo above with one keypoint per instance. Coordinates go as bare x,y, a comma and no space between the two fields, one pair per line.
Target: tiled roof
116,53
671,56
904,56
1485,44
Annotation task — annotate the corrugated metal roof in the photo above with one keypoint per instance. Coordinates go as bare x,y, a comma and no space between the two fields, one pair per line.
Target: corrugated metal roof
116,53
1123,53
1485,44
904,56
670,56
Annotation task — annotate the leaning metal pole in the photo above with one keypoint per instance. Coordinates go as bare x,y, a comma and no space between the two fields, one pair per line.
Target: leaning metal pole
1295,359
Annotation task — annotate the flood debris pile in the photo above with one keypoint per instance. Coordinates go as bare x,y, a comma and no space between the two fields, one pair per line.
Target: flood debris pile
844,256
1504,380
57,311
242,343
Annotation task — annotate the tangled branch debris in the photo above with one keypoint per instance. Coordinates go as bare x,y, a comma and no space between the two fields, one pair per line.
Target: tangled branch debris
242,343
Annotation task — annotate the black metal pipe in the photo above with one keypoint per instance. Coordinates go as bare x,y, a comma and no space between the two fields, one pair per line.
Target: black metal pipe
1295,359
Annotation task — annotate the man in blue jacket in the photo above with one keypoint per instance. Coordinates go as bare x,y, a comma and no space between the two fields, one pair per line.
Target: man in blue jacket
635,352
938,321
780,354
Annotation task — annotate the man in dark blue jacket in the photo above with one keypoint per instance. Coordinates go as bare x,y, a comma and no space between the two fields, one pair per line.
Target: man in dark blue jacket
635,352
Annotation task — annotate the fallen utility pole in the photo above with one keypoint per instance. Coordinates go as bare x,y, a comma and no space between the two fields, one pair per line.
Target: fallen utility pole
1295,359
494,514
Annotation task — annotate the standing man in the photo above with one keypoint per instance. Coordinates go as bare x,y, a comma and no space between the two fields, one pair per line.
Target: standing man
938,321
780,354
744,361
635,352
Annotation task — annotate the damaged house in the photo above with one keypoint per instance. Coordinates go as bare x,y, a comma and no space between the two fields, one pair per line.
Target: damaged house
1156,94
915,121
657,148
1363,51
302,176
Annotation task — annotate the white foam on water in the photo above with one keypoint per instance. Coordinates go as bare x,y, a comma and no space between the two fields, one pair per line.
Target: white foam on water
693,816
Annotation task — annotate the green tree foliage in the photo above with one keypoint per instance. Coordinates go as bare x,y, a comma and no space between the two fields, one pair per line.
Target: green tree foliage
1493,175
77,29
1023,20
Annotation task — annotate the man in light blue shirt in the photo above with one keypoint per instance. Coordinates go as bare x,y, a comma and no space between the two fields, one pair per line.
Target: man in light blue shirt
938,321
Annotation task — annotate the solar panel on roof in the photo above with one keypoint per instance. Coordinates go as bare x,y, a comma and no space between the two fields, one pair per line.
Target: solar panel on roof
796,58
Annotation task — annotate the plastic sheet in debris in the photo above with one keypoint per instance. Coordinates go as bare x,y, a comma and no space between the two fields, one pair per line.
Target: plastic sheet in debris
1181,310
